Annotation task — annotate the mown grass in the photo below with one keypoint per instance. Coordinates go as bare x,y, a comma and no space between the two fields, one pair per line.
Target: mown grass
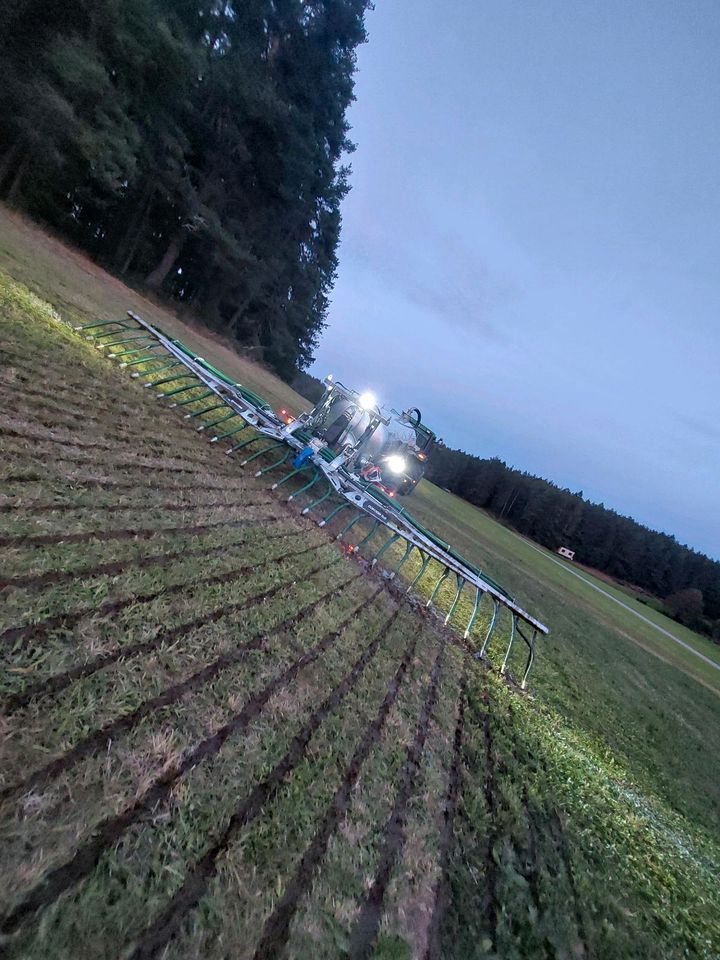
578,831
600,668
482,538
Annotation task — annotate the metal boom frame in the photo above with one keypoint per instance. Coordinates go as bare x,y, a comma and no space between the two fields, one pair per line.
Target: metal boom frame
186,372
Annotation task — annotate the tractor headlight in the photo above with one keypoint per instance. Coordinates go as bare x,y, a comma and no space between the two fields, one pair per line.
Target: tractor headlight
368,401
396,463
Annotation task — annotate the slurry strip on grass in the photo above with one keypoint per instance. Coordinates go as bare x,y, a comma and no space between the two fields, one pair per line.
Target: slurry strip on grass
28,559
252,873
143,468
40,628
38,580
144,413
131,533
23,479
181,441
442,890
37,403
323,919
105,782
275,932
499,864
27,509
128,440
80,424
110,830
100,738
34,661
22,608
49,438
491,806
364,933
53,684
136,879
137,455
166,925
141,450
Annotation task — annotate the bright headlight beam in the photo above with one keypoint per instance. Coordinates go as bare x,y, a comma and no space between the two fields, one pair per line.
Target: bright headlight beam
396,463
368,401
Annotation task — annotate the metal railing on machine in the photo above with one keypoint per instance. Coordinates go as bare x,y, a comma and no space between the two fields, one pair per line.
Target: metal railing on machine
188,381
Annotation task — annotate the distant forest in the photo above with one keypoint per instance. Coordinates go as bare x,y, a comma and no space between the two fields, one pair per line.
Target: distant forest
194,146
687,581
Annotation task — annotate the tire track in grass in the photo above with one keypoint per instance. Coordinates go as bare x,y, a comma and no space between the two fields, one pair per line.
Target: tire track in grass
105,834
365,930
41,628
38,580
161,931
442,893
496,860
61,681
556,834
276,929
130,533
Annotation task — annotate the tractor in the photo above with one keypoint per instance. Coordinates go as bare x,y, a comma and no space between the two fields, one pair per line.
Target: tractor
389,451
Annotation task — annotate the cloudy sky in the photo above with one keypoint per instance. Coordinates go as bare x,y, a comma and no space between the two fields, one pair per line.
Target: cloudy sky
531,247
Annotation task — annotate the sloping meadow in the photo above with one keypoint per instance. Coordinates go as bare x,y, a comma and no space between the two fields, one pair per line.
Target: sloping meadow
224,737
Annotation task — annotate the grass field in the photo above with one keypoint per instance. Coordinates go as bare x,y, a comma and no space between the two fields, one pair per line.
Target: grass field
222,737
80,290
654,705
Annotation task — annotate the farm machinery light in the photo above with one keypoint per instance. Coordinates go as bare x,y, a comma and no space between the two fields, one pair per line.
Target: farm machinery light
351,454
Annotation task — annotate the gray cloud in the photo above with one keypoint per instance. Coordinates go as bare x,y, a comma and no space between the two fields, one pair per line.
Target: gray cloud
702,428
438,273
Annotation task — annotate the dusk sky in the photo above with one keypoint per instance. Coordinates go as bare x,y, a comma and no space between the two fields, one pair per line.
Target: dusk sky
530,249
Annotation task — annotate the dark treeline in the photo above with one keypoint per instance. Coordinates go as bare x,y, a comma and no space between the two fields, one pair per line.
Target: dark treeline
689,582
196,146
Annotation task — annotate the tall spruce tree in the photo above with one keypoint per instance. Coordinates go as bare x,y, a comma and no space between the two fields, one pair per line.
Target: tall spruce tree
199,146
